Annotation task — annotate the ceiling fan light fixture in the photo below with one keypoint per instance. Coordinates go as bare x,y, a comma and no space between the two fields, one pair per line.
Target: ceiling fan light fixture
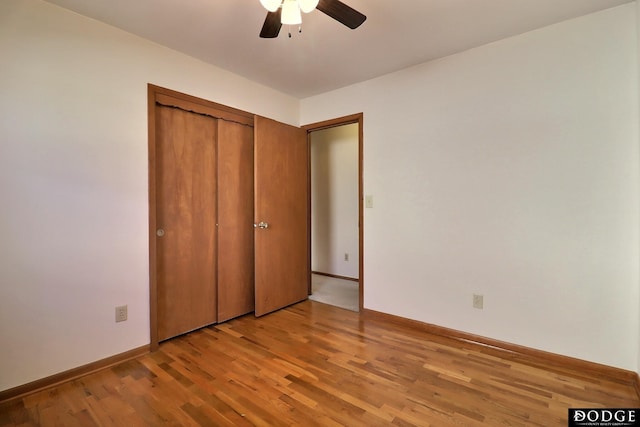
291,13
308,5
271,5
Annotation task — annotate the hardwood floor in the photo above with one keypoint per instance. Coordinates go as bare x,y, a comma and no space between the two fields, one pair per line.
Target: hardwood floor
314,364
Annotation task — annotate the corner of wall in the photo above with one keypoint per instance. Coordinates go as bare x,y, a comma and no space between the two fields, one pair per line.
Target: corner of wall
638,137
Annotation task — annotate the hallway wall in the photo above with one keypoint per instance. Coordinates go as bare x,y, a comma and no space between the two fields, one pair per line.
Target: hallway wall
334,201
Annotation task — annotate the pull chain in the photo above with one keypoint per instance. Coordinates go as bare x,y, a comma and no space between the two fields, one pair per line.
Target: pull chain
299,30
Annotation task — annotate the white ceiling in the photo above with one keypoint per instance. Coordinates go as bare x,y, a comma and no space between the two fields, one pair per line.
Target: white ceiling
328,55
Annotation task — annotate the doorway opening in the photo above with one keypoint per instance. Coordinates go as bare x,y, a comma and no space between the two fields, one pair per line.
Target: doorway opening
335,206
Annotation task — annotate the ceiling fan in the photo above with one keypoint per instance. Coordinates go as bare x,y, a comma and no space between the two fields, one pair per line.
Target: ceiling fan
288,12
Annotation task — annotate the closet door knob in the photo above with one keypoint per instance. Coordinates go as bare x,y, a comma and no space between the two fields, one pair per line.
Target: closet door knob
159,232
261,224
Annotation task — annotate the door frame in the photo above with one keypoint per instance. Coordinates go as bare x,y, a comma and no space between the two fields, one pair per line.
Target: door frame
155,95
326,124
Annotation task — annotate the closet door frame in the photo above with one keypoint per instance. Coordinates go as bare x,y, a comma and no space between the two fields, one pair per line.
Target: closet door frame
158,95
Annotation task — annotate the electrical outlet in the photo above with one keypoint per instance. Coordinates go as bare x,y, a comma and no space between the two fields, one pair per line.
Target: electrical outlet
121,313
478,301
346,256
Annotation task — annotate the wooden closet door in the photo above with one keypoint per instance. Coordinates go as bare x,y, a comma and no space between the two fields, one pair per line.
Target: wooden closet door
235,220
281,195
185,211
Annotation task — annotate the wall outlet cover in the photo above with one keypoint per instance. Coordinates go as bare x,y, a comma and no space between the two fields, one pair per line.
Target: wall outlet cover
478,301
121,313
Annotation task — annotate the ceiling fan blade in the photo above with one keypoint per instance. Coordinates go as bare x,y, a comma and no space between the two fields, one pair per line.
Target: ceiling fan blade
272,24
341,13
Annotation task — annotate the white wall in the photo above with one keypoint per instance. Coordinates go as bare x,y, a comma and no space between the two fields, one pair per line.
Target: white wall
334,201
637,3
510,170
73,181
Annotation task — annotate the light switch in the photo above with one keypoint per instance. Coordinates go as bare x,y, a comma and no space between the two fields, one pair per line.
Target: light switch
368,201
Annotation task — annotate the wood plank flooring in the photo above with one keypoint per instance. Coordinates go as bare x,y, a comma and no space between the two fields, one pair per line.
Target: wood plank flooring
317,365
